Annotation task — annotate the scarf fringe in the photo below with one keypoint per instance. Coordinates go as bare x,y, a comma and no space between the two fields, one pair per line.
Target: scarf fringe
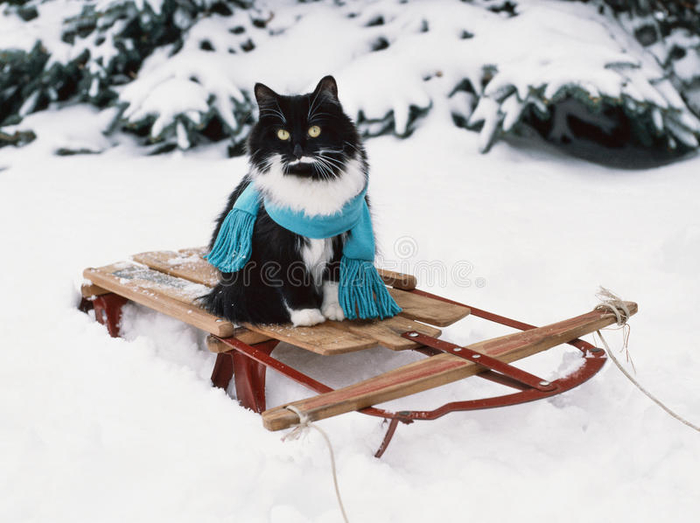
362,293
233,245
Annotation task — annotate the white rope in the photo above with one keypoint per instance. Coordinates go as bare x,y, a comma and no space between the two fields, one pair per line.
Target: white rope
609,301
612,302
304,425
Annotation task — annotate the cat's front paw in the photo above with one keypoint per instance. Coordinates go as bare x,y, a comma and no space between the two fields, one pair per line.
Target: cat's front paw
333,311
306,317
330,307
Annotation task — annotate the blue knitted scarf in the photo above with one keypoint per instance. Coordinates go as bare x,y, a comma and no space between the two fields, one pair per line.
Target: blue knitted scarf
361,292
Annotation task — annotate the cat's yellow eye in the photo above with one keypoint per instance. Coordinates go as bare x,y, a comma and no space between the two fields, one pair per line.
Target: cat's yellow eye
314,131
283,135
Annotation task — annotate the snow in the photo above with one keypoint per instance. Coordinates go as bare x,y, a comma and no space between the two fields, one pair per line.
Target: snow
20,35
94,428
78,127
100,429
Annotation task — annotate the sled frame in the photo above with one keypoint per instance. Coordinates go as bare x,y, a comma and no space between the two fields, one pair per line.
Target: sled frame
245,355
248,363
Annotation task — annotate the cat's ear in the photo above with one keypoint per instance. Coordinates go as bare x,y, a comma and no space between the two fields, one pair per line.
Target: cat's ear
328,87
264,95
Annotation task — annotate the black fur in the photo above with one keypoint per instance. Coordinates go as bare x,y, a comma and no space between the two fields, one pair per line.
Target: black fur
276,277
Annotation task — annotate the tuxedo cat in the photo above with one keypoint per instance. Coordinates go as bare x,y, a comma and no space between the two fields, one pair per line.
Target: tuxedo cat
305,155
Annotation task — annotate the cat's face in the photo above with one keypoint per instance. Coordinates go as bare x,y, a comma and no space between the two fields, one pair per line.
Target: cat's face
306,136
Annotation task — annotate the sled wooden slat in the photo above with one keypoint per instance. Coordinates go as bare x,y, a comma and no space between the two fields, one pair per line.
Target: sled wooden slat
89,290
398,280
437,370
167,294
428,310
241,333
186,263
325,338
334,337
388,332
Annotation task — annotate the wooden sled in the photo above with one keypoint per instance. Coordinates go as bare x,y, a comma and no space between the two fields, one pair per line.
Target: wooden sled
170,282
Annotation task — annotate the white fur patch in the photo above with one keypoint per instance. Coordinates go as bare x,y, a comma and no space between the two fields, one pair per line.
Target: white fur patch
306,317
313,197
316,254
330,307
304,160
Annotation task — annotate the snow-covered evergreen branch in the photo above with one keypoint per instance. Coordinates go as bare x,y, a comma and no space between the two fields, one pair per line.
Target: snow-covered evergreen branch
180,72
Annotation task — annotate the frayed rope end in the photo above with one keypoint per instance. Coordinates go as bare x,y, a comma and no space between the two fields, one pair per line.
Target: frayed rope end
609,301
612,302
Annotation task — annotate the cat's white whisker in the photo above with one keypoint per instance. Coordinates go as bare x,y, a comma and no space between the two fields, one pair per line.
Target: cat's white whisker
358,150
324,171
331,162
275,112
267,163
311,106
327,169
316,114
329,158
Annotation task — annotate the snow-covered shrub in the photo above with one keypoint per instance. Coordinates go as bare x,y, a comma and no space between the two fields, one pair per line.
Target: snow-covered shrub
181,72
562,68
189,91
568,63
20,76
32,73
670,30
93,48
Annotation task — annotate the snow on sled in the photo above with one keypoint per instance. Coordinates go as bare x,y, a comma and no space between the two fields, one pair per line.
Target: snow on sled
170,282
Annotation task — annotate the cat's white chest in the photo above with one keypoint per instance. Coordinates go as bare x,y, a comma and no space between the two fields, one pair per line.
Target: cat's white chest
316,254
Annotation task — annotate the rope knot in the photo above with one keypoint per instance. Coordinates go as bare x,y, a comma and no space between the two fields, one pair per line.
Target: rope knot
612,302
303,425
